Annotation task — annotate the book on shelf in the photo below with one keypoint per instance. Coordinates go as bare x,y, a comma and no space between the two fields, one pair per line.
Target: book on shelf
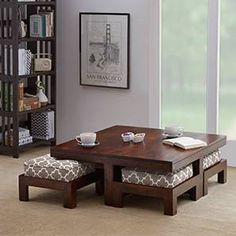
24,61
21,90
41,24
24,137
185,142
7,96
29,103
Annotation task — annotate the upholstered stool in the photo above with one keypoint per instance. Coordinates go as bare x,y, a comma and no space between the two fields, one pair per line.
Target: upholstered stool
213,164
156,178
65,175
162,184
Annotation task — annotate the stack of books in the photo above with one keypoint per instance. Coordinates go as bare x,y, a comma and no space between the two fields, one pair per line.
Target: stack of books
41,24
24,61
27,101
24,137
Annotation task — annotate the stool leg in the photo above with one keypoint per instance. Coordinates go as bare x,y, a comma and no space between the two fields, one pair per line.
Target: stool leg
70,196
196,192
205,185
23,189
222,176
100,187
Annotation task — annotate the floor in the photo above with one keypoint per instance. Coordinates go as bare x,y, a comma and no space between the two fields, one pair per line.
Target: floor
44,215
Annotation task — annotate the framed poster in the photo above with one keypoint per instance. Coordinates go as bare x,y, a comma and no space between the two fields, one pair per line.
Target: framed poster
104,49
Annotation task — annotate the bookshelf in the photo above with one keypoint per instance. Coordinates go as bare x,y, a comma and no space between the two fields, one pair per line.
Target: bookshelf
20,48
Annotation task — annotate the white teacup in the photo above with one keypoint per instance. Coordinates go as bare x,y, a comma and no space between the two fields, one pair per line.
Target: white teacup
86,138
173,130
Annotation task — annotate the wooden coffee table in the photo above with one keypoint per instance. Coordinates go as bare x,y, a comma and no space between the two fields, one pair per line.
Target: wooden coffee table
112,154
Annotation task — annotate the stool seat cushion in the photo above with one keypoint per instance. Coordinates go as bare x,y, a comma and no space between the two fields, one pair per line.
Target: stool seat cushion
211,159
156,178
47,167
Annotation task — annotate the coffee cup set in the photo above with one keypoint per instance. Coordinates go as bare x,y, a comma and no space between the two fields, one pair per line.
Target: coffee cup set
130,136
87,140
173,132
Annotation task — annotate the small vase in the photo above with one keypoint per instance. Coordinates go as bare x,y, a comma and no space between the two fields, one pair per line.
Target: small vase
42,97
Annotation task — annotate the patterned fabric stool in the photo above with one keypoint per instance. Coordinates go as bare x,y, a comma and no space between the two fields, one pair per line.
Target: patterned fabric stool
156,178
65,175
162,184
213,164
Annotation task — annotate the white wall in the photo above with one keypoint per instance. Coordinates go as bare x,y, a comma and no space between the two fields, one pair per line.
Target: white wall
82,108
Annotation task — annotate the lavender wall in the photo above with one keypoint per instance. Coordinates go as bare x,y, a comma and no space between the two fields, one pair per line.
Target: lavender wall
90,108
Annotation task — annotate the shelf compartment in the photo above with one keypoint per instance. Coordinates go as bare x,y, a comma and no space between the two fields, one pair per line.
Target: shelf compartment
9,150
41,109
37,142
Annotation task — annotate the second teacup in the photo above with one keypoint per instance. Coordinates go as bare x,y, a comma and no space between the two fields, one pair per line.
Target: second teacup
173,130
86,138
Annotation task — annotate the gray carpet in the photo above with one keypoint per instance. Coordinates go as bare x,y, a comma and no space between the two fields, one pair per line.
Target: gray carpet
212,215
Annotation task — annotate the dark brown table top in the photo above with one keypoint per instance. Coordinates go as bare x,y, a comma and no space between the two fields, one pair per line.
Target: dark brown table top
151,153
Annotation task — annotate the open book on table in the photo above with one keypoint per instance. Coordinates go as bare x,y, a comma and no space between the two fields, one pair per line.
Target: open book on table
185,142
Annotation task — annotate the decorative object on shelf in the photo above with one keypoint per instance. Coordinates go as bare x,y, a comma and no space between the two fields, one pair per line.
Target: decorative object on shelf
42,125
40,94
42,64
104,49
23,29
24,61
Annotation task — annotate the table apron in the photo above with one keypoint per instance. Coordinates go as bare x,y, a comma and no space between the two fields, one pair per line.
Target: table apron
113,160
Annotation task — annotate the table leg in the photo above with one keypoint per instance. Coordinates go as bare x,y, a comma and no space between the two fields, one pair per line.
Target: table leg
112,193
197,192
170,203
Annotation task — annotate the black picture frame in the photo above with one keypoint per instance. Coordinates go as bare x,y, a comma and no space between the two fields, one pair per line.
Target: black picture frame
104,49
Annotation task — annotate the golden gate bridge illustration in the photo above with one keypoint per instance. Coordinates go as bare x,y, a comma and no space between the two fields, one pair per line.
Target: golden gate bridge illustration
108,51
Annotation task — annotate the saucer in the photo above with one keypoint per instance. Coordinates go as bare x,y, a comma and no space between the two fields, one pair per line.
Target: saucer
89,145
165,135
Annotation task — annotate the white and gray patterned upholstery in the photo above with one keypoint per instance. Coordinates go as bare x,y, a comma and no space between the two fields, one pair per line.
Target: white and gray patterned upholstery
47,167
156,178
211,159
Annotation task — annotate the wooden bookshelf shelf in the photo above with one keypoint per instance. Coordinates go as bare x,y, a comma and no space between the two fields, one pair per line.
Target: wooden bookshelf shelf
11,78
44,108
38,74
26,39
18,56
41,109
37,142
37,3
32,39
